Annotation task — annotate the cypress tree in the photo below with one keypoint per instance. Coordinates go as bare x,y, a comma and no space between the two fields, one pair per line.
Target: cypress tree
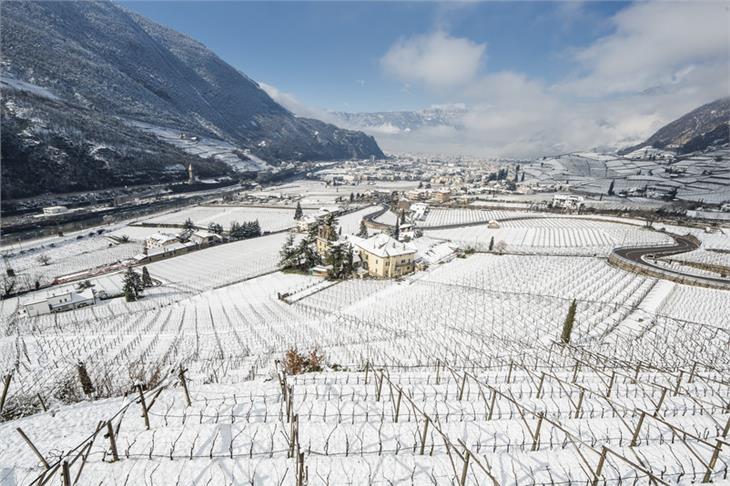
146,279
363,233
568,324
298,213
491,244
610,188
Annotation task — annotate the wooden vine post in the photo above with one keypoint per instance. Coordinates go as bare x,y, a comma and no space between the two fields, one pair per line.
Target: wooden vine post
144,407
6,386
184,383
33,447
112,441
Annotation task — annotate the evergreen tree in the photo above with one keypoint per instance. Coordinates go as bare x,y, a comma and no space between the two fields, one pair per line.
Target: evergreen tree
130,288
352,197
189,225
288,253
491,243
610,188
568,324
396,230
363,233
146,279
255,228
523,177
215,228
298,213
402,217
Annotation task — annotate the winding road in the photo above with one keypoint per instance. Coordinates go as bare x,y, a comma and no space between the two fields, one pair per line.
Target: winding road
682,244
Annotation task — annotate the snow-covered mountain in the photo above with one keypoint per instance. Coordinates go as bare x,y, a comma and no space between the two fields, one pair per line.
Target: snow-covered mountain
80,78
404,121
708,125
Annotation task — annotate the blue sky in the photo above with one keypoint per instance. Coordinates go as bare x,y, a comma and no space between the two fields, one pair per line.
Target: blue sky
533,77
328,53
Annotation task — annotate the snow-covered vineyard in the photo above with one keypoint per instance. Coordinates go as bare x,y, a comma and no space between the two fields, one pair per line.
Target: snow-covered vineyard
453,375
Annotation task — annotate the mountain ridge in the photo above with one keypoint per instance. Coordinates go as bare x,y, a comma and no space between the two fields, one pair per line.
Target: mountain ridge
111,65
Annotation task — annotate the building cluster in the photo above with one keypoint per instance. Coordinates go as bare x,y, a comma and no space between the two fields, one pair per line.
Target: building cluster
63,301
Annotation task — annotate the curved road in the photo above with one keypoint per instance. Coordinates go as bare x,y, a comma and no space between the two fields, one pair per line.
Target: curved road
682,244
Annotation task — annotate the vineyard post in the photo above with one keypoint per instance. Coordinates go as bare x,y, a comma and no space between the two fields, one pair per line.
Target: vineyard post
638,369
181,376
713,461
539,386
367,369
692,373
6,385
509,373
294,436
397,404
33,447
637,429
300,469
726,429
679,381
599,467
438,370
661,401
289,410
465,470
575,371
112,441
65,474
491,404
536,437
423,436
43,403
463,385
379,386
580,402
610,384
144,407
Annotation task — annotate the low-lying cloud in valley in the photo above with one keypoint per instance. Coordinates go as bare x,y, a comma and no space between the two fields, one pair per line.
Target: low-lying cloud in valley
660,61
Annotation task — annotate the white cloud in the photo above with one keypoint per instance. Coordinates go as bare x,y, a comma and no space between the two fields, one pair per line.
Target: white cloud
293,104
436,60
660,61
653,44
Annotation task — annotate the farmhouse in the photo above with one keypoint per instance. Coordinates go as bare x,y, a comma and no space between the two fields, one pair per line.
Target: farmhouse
60,302
442,195
160,240
567,201
205,238
385,257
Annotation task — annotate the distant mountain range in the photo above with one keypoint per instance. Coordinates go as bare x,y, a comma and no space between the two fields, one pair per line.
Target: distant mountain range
403,121
706,126
91,93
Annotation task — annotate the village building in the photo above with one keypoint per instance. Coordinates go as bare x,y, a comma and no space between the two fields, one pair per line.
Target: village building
326,234
53,210
160,240
567,201
383,256
205,238
442,195
60,302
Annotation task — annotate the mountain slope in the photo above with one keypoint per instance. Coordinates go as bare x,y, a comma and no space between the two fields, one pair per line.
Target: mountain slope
111,66
705,126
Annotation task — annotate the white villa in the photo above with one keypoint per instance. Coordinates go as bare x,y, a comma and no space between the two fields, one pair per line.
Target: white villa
60,302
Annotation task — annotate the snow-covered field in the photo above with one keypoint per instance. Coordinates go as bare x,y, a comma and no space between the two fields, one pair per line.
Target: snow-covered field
544,235
453,375
270,219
